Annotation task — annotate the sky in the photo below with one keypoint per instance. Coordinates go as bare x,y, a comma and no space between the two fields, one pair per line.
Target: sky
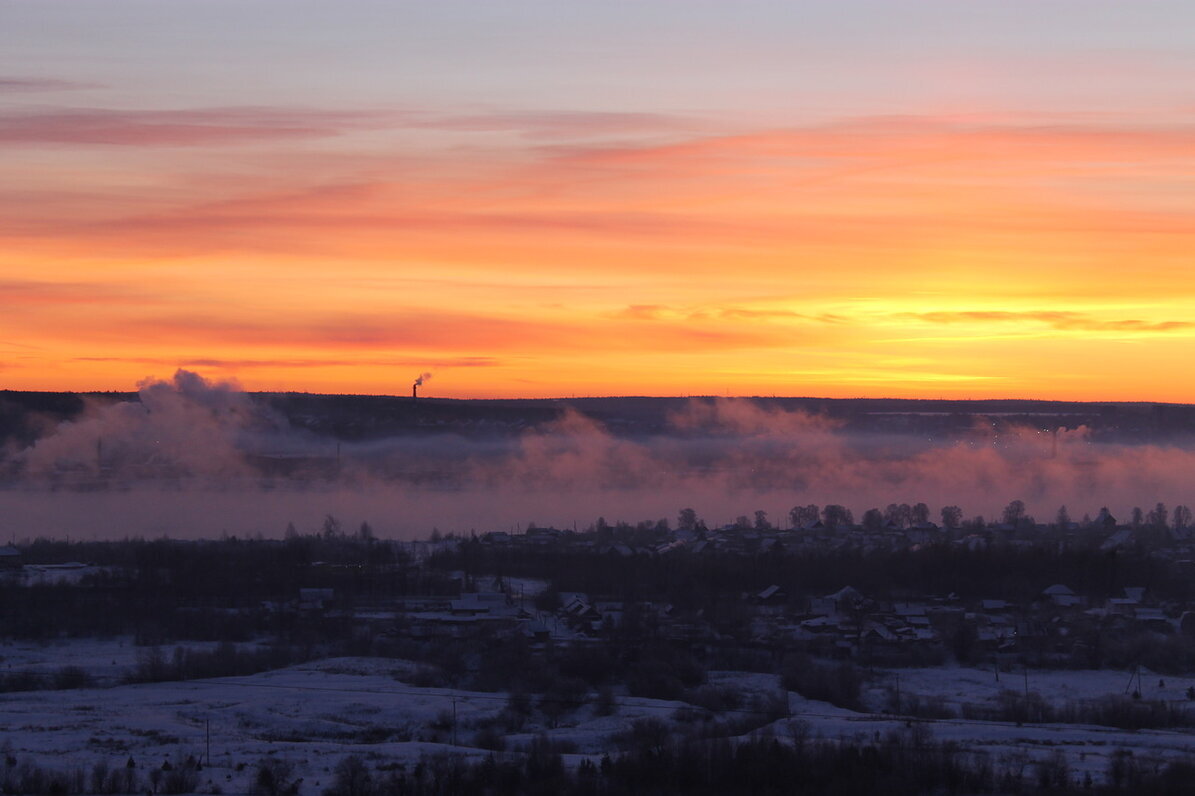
545,199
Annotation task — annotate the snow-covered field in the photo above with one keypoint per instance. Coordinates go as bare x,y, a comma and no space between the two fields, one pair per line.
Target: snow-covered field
108,661
316,713
312,715
958,685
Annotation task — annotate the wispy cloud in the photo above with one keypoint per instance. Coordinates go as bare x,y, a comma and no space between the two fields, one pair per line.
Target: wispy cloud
557,124
285,363
654,312
232,125
191,128
12,84
447,331
40,293
1065,321
911,140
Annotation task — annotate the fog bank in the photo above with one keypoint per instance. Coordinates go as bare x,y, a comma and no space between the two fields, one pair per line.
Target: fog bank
199,459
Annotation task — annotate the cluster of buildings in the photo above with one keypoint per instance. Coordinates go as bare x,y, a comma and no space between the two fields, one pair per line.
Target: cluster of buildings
817,537
1057,622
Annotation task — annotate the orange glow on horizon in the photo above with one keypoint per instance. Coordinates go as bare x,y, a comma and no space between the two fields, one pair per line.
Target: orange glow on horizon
905,257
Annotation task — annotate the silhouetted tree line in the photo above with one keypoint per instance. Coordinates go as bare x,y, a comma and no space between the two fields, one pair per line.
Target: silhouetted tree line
646,667
164,590
905,763
64,678
26,777
705,580
155,665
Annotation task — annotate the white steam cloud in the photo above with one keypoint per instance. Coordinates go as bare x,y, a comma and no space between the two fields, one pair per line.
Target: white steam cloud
187,461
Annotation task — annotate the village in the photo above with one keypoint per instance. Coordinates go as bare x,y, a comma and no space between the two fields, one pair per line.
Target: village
1044,648
502,584
1054,626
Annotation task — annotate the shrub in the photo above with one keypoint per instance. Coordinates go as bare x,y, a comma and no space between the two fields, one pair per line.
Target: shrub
352,779
489,738
839,684
717,699
605,704
273,778
72,677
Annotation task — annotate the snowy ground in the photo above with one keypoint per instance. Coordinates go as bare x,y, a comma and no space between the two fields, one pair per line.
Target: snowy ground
107,660
956,686
314,714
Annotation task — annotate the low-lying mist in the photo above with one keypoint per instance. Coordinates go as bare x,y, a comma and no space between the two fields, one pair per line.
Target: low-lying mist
197,459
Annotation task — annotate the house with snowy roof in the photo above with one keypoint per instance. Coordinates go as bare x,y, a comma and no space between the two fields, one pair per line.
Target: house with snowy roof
10,557
1062,596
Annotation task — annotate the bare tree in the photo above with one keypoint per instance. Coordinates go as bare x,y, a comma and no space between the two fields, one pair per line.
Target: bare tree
802,516
836,516
1063,520
686,520
1181,517
952,516
1014,513
900,515
873,519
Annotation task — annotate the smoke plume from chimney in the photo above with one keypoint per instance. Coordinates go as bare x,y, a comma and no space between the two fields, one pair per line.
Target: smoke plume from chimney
422,377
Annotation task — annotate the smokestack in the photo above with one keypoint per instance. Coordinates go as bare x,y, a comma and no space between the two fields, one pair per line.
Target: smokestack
422,377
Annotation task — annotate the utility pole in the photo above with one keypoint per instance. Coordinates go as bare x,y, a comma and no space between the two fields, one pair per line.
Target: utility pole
207,728
454,721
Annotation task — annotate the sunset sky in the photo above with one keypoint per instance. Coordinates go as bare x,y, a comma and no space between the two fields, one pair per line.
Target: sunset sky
670,197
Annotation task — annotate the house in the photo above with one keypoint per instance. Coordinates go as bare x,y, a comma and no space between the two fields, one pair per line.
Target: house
10,557
1154,619
1122,605
315,599
1062,596
578,610
1187,623
542,536
844,600
770,596
481,603
1117,540
536,630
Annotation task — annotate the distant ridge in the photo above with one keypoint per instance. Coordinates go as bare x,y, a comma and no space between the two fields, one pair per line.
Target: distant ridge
25,415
